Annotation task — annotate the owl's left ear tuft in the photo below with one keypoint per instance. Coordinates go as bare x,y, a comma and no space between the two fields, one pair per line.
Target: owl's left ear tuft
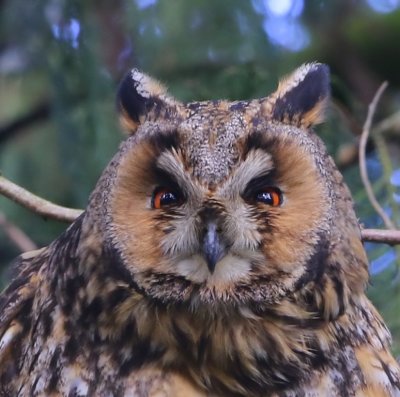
301,98
141,97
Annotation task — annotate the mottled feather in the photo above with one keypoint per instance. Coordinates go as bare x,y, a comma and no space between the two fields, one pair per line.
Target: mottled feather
219,255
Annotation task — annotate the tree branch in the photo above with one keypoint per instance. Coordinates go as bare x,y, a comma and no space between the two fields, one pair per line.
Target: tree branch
16,235
36,204
362,158
39,113
391,237
52,211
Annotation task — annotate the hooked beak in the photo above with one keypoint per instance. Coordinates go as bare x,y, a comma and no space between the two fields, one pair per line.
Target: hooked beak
213,247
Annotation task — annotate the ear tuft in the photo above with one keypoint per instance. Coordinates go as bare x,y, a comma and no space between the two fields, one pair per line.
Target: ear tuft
301,98
137,97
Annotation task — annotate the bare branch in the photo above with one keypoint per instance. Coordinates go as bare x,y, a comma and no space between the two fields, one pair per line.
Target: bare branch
362,158
16,235
36,204
57,212
390,237
390,126
348,154
39,113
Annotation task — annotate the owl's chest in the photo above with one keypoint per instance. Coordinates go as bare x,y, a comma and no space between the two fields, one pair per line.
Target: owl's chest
76,380
81,381
58,368
173,357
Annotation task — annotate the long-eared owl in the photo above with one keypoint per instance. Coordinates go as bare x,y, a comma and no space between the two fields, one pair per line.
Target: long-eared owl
219,255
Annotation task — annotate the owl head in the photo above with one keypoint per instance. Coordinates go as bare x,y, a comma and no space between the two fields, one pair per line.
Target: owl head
228,203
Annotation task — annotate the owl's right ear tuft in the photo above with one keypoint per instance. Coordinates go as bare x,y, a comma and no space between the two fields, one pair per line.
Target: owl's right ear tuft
301,98
139,98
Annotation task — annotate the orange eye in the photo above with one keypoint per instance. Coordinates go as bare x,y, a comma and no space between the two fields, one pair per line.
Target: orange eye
270,195
163,197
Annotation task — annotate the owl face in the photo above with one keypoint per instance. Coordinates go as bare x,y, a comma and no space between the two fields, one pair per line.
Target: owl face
222,201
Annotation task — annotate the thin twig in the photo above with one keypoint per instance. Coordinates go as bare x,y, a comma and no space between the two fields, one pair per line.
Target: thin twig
362,156
391,237
16,235
36,204
40,113
390,124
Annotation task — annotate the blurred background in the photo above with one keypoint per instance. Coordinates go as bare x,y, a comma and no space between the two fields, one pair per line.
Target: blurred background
61,61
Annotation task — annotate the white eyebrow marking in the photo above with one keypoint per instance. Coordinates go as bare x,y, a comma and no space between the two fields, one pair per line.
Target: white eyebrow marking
257,163
168,162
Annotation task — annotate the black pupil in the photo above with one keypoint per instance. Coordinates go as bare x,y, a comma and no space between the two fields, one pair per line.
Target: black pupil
168,198
265,197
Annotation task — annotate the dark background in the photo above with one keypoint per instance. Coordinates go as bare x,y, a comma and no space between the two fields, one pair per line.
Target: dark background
61,61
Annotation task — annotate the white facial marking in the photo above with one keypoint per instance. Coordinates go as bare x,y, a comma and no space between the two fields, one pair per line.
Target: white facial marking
193,268
229,269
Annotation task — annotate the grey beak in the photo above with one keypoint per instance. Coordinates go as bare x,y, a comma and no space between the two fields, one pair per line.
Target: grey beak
213,248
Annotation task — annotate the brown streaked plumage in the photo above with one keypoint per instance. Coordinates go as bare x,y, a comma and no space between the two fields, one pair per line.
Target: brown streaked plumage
219,255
